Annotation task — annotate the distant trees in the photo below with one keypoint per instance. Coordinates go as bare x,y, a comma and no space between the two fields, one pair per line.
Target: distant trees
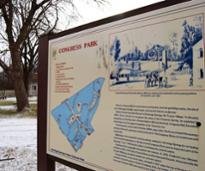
29,57
5,82
21,24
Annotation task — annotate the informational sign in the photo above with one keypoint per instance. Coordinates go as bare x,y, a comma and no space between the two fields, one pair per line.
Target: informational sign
129,95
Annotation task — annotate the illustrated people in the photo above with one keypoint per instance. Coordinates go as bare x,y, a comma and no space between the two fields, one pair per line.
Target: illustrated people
155,77
146,84
191,79
160,81
165,81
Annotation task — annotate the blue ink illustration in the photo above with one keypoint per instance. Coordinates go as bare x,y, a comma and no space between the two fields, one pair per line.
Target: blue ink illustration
74,115
174,59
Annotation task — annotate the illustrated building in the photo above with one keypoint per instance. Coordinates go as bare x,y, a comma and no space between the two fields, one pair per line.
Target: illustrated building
198,63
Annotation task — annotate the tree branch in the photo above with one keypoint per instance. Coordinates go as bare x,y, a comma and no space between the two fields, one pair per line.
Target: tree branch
3,3
28,21
4,66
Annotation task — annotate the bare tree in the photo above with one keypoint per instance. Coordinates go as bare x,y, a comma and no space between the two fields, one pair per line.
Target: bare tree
29,57
2,3
21,23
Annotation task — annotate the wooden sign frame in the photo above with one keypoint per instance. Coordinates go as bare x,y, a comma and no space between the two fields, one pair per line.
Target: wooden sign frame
46,162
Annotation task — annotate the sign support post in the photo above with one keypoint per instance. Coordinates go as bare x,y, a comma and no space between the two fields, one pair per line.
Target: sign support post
44,162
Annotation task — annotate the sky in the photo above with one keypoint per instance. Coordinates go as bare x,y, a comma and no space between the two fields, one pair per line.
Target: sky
90,11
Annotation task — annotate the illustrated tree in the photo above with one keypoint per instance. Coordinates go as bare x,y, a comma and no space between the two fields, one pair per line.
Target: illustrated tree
115,49
173,39
21,24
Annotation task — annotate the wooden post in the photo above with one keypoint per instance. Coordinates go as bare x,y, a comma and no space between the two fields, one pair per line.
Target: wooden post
44,162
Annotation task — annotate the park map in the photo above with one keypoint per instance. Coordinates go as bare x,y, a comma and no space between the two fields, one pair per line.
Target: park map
74,115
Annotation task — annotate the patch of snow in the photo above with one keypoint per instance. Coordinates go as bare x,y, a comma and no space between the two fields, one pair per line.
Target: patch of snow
18,145
18,132
8,107
33,98
13,99
22,158
33,102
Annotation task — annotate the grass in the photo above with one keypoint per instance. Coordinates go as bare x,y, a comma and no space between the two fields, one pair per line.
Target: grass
8,112
7,103
30,112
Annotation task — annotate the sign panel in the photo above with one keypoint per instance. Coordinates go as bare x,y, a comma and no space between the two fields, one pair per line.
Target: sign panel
128,95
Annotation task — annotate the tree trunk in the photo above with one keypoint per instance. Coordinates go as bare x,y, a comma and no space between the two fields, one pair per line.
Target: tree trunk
18,80
20,92
27,81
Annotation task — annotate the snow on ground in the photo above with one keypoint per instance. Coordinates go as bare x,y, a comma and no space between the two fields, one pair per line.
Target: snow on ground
8,107
18,132
32,99
18,144
18,138
12,99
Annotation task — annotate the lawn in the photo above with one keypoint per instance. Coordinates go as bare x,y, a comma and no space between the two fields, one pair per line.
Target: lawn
8,108
7,103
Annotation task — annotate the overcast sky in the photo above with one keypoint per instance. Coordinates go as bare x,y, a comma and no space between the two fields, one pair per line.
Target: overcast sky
91,12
